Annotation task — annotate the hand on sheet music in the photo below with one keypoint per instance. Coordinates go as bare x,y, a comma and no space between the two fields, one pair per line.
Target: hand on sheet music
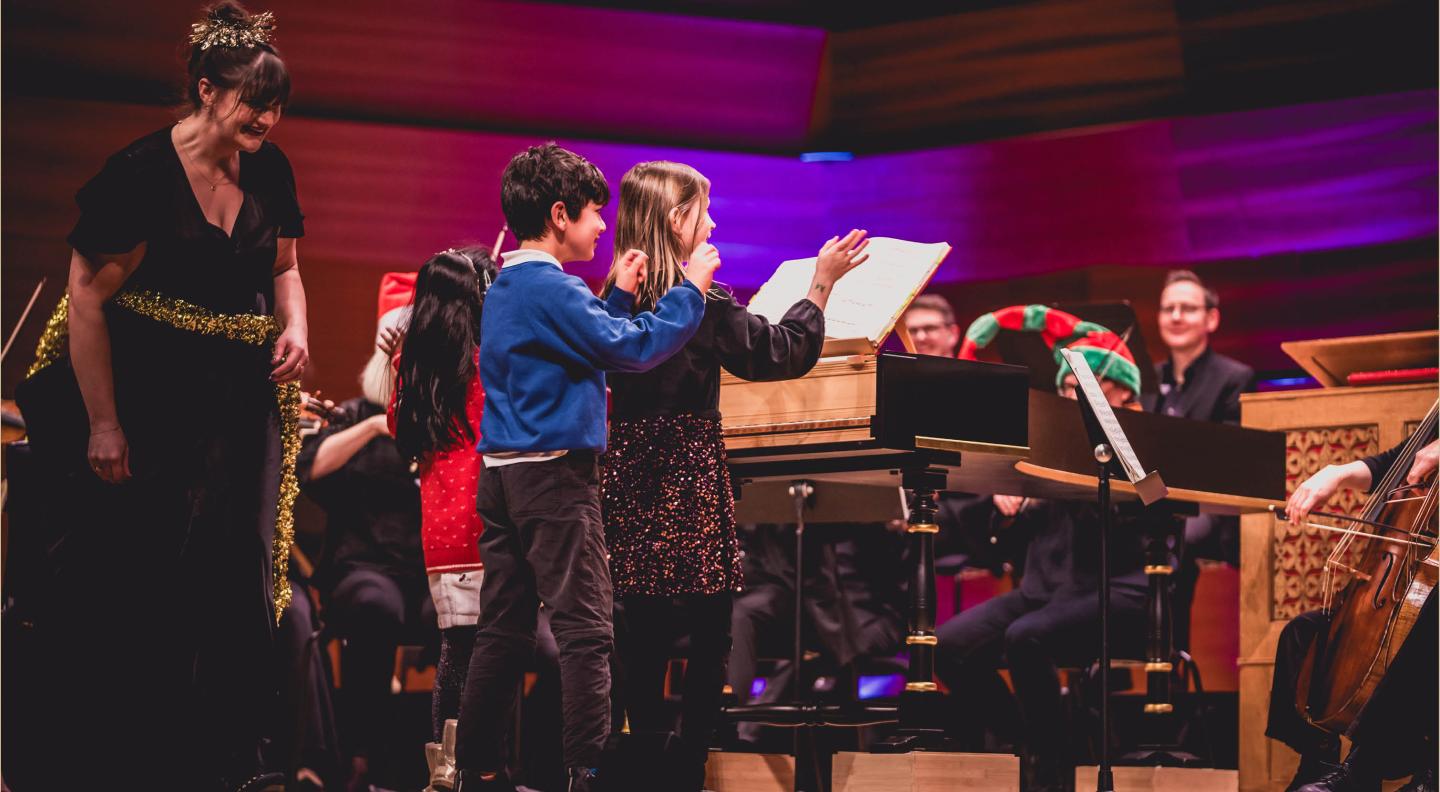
840,255
837,256
631,270
700,269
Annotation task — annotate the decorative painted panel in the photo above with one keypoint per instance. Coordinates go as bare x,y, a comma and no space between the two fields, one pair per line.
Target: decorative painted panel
1300,551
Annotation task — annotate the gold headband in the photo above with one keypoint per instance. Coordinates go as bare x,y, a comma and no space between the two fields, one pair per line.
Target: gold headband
214,32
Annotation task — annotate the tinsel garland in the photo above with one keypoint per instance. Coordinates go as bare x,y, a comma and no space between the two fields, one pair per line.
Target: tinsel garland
252,329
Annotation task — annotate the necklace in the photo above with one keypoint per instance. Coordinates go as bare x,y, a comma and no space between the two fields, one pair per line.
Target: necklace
196,165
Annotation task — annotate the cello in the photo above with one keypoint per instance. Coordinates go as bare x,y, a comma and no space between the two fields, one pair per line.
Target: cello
1374,612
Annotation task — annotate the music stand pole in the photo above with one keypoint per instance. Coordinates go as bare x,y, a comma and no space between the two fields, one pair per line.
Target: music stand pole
800,492
1105,778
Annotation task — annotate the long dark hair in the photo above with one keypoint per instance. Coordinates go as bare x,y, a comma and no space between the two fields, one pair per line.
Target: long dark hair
437,359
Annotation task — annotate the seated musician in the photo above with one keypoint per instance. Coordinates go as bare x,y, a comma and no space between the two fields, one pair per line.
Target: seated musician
1395,733
1203,385
930,321
965,540
1052,618
854,595
371,575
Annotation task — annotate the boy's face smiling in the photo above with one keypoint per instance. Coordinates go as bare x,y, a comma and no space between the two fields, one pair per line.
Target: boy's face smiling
579,237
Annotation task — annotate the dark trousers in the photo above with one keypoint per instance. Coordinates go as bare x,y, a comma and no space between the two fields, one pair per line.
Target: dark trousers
303,728
1397,726
763,624
543,542
1032,638
456,646
374,612
652,622
1284,723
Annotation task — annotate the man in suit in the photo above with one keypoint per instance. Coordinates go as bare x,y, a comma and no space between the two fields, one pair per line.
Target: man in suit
1202,385
1196,382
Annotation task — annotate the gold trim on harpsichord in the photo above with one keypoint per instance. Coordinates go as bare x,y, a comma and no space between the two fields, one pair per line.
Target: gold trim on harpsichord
922,528
921,687
922,639
797,426
972,446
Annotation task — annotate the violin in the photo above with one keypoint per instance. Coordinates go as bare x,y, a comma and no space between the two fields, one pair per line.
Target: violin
1389,554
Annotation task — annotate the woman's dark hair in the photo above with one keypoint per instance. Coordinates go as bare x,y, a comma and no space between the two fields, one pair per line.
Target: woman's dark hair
437,358
255,70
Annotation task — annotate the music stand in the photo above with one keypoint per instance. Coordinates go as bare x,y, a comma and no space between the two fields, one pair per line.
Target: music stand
1113,454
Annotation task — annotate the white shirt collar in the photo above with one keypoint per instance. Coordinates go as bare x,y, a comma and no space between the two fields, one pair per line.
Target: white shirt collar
522,255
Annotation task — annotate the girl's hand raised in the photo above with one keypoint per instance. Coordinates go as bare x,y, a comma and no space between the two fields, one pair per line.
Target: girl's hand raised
837,257
700,269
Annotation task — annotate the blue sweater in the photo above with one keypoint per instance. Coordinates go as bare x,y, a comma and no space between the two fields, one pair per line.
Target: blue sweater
546,342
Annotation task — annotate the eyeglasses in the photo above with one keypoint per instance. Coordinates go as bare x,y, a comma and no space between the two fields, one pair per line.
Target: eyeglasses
927,329
1184,309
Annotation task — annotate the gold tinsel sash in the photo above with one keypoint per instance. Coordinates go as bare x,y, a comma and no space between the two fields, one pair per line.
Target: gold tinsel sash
252,329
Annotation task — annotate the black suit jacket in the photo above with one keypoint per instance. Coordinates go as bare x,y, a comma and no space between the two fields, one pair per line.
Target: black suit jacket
1212,389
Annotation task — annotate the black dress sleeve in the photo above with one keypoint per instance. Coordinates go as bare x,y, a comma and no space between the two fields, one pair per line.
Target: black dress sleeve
283,204
113,204
752,348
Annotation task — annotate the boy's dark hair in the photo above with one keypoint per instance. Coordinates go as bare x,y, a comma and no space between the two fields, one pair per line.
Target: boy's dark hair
1212,300
541,175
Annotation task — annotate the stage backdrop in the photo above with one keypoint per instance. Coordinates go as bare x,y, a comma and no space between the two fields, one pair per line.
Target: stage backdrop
1317,219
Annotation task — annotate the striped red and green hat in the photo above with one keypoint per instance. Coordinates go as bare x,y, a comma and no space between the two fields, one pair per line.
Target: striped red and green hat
1106,352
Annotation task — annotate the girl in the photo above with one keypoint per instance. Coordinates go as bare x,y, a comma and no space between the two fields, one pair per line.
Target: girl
436,418
668,507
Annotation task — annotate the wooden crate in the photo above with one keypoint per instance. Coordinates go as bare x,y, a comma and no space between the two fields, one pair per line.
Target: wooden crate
1161,779
749,772
925,771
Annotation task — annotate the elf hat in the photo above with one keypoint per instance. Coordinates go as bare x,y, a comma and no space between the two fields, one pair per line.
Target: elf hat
1106,353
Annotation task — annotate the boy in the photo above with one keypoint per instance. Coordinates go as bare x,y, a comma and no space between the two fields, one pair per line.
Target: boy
546,342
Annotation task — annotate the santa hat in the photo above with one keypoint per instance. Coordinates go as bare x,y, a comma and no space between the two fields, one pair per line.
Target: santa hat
1106,353
397,290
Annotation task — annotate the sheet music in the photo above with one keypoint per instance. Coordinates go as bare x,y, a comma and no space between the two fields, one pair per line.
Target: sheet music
1091,391
868,301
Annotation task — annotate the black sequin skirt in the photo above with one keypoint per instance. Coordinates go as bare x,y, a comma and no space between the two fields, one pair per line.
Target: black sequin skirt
669,510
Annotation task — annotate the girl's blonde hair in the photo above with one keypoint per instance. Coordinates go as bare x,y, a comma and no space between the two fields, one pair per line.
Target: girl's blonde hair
649,194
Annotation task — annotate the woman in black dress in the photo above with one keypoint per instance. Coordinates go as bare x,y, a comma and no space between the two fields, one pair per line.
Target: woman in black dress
665,491
170,516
